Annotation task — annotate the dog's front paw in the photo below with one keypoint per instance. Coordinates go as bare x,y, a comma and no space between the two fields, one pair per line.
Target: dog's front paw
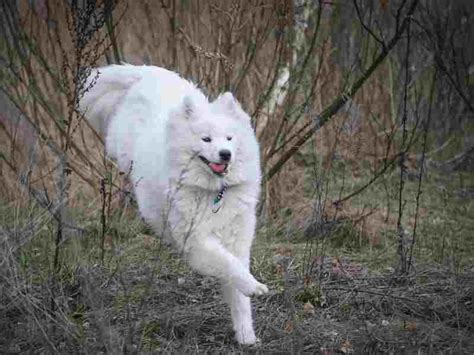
246,337
253,288
261,289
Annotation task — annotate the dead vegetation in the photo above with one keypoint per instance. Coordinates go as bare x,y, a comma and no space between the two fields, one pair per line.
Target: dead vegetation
347,310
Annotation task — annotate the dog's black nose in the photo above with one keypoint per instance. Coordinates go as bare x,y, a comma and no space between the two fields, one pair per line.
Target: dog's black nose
225,154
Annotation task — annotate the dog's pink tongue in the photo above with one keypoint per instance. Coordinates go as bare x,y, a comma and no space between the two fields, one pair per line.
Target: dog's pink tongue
217,168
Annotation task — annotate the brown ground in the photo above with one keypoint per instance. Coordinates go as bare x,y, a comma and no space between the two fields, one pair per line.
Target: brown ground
430,312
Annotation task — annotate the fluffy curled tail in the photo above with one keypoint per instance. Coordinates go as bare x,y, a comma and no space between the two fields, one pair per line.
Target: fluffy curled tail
105,88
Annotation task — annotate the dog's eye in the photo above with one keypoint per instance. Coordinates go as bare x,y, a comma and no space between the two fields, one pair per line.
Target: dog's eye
229,138
206,139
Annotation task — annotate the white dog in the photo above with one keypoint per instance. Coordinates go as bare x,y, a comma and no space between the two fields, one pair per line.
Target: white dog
195,167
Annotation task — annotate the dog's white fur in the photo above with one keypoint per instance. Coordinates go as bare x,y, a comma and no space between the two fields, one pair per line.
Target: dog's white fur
154,124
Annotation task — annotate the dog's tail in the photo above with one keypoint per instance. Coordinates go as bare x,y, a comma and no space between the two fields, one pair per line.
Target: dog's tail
104,89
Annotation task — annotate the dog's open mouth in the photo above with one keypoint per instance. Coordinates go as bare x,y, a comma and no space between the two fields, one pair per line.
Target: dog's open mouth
217,168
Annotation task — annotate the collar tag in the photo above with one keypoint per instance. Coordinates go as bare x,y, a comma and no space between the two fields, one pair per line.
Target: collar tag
217,203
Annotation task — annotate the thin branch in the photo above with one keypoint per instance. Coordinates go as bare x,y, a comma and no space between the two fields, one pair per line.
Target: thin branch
401,203
367,28
422,170
341,100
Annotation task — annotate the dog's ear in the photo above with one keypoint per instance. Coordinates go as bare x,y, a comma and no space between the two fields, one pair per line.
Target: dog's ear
227,104
186,111
189,107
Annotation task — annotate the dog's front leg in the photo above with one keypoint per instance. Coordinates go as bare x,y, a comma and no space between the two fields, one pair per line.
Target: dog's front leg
209,257
241,313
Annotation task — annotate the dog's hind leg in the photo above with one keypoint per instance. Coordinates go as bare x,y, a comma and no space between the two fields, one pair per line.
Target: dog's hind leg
209,257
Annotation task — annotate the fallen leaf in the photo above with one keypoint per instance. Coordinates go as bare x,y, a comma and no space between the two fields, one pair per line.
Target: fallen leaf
108,242
346,347
289,327
410,326
148,241
280,270
308,308
284,250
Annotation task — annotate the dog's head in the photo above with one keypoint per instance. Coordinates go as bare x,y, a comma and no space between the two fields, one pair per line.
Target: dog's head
214,140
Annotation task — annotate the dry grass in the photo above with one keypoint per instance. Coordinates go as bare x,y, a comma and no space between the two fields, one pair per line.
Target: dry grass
143,299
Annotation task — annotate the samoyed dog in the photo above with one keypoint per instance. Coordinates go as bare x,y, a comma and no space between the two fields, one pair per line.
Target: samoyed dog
195,169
